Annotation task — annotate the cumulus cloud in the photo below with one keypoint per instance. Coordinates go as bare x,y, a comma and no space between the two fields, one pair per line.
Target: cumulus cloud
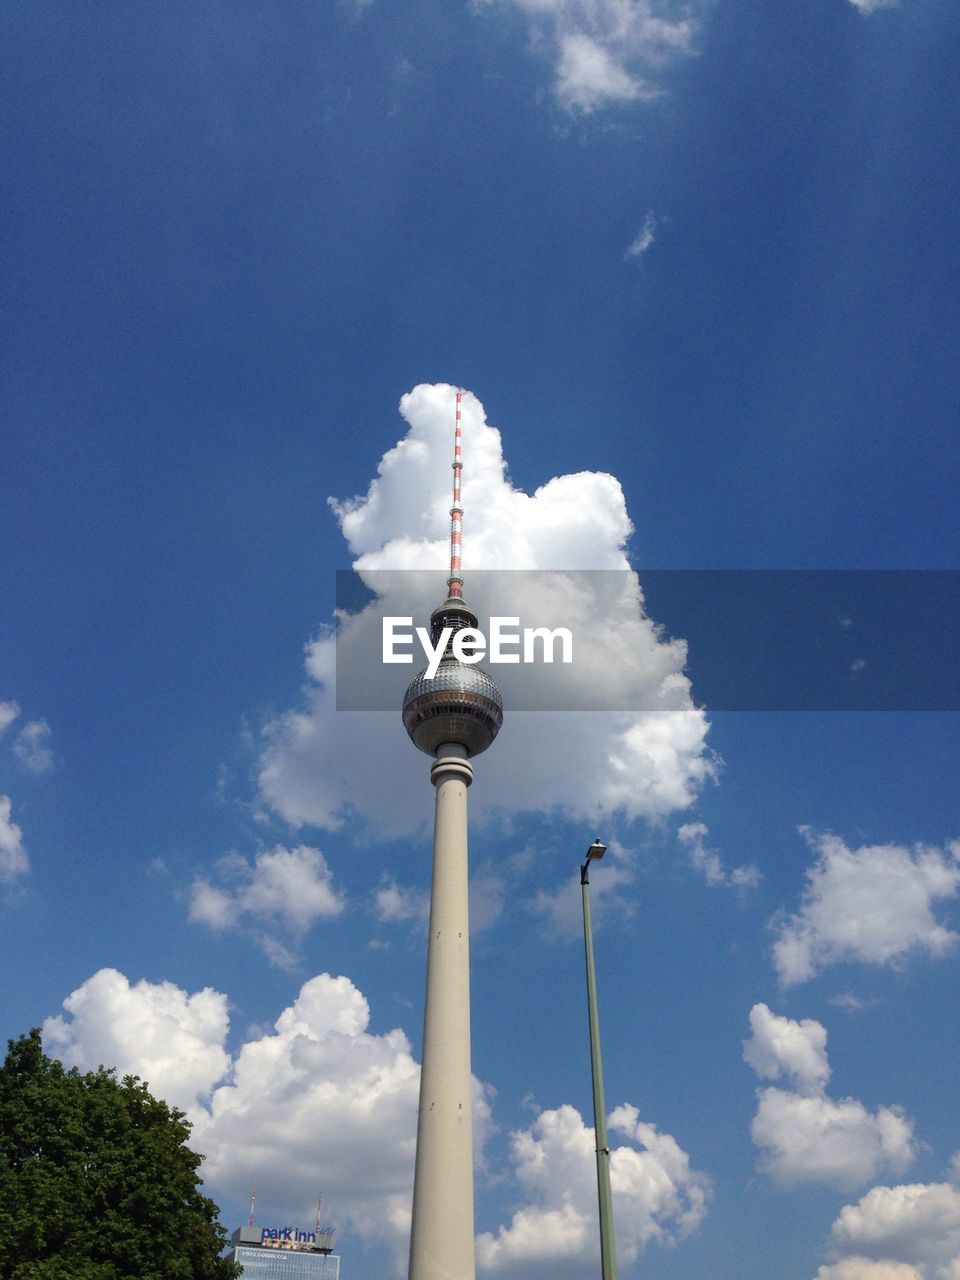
319,1099
656,1194
873,904
322,1101
609,51
815,1139
782,1047
13,857
172,1040
805,1136
33,748
644,239
289,887
8,713
693,836
318,763
914,1226
316,1100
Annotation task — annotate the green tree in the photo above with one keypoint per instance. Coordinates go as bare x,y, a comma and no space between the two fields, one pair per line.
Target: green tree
96,1179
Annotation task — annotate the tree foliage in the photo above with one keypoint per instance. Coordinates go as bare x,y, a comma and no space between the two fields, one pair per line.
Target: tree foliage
96,1179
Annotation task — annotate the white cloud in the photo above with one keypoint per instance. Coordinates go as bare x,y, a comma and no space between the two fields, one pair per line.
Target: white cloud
277,954
746,877
608,51
32,746
872,904
709,863
645,237
319,763
656,1194
805,1136
395,904
865,1269
781,1047
212,906
849,1001
915,1225
590,74
322,1101
871,6
317,1100
291,887
172,1040
13,857
8,713
902,1220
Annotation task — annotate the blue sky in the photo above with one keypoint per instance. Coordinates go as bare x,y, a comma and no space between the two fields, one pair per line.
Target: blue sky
701,261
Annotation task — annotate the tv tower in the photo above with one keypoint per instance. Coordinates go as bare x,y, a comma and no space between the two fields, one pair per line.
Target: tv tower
452,717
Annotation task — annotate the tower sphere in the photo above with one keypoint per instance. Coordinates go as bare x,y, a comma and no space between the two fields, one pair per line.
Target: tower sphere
461,703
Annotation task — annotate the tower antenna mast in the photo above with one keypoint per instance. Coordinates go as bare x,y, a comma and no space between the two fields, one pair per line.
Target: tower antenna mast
455,581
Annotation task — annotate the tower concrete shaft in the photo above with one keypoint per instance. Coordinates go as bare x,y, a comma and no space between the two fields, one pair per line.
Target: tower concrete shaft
441,1239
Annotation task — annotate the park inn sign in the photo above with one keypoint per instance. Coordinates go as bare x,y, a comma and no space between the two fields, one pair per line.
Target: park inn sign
287,1235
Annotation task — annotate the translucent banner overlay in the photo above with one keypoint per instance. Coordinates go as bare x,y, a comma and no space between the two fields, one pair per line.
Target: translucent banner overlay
663,640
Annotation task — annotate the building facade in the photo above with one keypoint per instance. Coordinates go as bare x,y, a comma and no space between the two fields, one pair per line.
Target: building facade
284,1254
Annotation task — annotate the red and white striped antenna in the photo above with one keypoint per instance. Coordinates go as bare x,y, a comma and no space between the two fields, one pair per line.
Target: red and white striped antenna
455,581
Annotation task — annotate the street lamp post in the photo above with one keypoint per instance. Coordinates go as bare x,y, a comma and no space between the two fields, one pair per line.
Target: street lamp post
608,1251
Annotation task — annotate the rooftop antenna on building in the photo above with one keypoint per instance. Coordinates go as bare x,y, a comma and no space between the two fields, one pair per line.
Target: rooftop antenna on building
455,581
319,1203
253,1201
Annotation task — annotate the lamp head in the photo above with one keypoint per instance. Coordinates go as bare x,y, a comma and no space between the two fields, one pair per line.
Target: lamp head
596,850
